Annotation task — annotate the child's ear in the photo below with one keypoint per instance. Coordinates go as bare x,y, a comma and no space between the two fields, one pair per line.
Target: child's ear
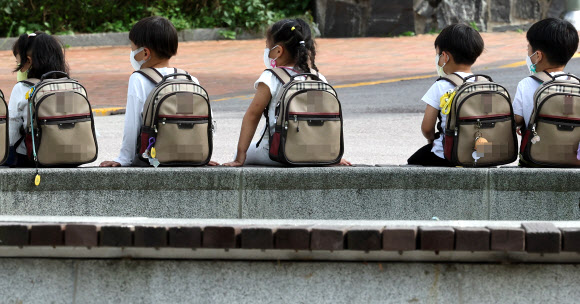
147,54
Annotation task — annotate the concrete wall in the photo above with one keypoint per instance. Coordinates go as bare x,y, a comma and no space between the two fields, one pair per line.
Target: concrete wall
383,193
148,281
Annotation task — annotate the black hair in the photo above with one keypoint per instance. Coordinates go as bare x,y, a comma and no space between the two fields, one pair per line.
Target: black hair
463,42
556,38
46,52
296,36
157,34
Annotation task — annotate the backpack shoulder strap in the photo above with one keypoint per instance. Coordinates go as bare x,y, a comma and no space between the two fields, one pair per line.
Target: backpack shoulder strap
151,74
281,74
30,81
542,77
454,79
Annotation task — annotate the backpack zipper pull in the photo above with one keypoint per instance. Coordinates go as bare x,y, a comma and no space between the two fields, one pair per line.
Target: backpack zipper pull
536,137
297,123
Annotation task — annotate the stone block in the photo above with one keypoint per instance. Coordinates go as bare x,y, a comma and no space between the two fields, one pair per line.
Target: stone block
390,18
400,238
542,238
219,237
571,239
528,9
14,235
81,235
184,237
507,239
150,236
472,239
327,239
364,238
342,19
295,238
116,236
436,238
549,194
256,238
500,10
46,235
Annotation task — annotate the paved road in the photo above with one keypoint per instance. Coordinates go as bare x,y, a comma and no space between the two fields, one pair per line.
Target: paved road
381,121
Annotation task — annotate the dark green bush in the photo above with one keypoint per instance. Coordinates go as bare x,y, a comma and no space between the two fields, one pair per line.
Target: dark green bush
92,16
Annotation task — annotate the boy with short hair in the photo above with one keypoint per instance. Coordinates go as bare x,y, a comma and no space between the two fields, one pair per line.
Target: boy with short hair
551,44
457,48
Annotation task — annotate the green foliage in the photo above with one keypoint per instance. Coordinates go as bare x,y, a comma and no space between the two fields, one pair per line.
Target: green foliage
407,34
474,25
90,16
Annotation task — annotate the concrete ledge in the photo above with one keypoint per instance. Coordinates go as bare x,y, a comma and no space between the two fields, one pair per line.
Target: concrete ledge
152,281
385,193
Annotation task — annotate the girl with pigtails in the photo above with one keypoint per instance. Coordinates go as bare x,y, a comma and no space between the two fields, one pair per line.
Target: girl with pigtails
289,45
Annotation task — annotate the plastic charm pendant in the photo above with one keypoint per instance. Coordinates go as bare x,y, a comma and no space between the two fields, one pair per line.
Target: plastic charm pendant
535,139
145,155
578,152
37,180
153,152
475,156
154,162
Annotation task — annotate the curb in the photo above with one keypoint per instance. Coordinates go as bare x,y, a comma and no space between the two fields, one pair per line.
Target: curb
122,39
108,111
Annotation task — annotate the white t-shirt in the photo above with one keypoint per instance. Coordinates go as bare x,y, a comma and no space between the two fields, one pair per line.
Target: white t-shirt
523,103
18,113
433,98
139,89
269,79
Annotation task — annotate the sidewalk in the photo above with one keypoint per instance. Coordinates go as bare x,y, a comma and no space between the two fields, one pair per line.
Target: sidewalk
229,68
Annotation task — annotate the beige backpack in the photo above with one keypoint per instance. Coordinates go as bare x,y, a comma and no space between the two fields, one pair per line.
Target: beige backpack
552,137
308,122
480,128
4,140
177,122
61,128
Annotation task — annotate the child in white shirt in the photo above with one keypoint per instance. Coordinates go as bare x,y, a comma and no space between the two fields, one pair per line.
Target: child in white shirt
289,45
456,49
36,54
551,44
153,42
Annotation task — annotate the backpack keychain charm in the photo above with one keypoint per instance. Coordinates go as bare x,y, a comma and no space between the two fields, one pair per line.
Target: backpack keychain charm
578,152
478,146
536,137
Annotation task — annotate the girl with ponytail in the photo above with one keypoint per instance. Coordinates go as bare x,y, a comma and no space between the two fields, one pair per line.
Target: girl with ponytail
289,45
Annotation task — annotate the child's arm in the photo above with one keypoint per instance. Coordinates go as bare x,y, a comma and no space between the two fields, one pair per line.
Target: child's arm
250,123
428,124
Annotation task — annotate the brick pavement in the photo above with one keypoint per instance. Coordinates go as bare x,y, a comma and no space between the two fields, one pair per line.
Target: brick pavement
228,68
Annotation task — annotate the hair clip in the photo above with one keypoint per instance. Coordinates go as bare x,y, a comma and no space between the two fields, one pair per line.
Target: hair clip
293,28
32,35
302,42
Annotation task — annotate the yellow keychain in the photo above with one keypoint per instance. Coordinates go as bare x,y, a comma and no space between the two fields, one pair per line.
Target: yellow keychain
446,101
153,152
29,93
37,180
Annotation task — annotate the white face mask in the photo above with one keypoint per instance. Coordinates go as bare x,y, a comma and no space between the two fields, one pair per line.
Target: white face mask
531,66
440,71
269,62
136,64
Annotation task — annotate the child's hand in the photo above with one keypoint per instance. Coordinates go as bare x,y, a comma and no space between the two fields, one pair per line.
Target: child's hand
109,163
212,163
344,162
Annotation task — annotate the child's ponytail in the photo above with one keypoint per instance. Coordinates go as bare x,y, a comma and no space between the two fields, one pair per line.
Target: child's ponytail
46,52
296,36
